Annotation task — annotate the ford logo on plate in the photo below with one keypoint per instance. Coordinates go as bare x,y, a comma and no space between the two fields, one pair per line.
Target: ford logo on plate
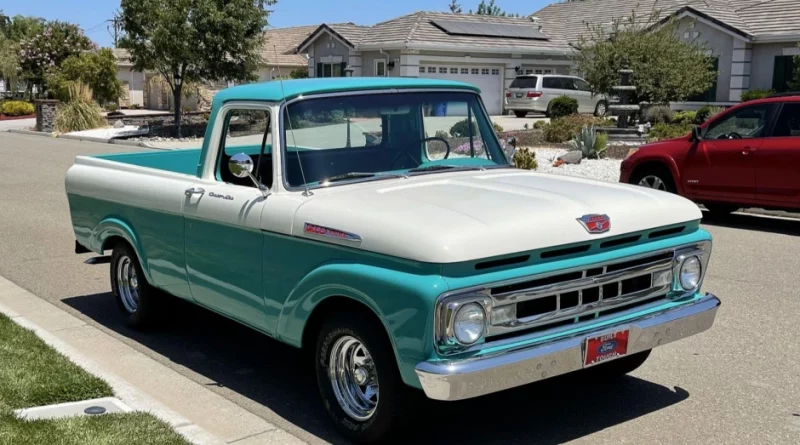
607,347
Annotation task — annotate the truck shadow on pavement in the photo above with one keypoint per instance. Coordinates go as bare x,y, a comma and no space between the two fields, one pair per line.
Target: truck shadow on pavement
748,221
243,364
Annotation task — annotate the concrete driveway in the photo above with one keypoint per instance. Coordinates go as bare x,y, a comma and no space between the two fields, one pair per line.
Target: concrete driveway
518,123
735,384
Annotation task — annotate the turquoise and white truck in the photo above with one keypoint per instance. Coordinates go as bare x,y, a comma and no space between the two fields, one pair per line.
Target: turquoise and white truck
377,223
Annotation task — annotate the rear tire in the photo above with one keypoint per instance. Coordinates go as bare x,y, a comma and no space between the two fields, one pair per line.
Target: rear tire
520,113
601,109
621,366
354,359
137,300
658,178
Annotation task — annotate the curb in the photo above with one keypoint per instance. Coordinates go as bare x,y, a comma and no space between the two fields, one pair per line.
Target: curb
87,139
124,391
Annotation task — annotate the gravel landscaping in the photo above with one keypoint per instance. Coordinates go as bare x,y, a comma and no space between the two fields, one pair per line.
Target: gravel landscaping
601,169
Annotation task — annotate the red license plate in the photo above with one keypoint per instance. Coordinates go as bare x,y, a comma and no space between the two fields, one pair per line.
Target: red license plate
605,347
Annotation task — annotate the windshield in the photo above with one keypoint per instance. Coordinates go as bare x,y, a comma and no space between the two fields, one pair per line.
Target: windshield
357,137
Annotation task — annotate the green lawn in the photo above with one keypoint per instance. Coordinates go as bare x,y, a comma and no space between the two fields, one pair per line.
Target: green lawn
33,374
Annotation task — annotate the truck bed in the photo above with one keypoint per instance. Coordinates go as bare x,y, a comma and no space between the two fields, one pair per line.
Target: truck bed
178,161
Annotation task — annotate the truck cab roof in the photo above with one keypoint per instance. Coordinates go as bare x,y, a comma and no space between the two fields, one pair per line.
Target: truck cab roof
274,91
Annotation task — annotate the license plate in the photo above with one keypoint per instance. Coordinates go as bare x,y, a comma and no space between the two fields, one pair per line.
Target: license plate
519,95
605,347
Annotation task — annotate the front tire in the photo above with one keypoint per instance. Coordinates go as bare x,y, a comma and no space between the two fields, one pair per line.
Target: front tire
520,113
358,378
654,178
136,298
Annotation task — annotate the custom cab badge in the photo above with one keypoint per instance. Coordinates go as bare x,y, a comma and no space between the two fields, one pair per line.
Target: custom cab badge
595,223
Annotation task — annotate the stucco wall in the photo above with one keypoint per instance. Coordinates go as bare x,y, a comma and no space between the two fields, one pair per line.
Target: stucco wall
326,46
721,45
135,81
368,62
763,65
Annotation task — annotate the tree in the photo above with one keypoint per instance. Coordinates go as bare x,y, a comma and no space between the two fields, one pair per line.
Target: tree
455,7
9,62
491,9
21,27
794,83
96,69
5,22
56,42
665,68
194,40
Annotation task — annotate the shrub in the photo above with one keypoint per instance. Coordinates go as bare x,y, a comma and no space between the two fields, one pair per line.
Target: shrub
561,130
756,94
668,131
587,141
539,125
461,129
442,134
684,117
563,106
111,107
706,112
17,108
658,114
525,158
80,112
497,127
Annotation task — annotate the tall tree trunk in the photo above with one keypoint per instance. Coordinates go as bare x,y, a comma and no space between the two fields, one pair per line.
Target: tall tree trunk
176,102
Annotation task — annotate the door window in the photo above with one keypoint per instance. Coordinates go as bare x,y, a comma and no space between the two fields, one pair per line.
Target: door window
245,132
744,123
788,123
582,85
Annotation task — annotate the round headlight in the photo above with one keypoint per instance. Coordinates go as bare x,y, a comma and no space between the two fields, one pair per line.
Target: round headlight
690,273
469,324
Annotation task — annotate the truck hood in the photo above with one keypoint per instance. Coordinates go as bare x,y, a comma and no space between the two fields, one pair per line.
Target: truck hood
462,216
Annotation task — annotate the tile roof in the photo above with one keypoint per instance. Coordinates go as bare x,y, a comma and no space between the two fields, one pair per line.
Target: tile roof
285,41
417,31
751,18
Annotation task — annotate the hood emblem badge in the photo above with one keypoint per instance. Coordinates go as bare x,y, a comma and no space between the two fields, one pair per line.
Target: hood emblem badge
313,229
595,223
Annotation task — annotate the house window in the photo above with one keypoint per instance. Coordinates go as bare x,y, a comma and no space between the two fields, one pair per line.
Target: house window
782,73
710,95
548,71
485,71
495,71
422,69
431,70
380,67
528,71
474,71
538,72
335,69
464,70
453,70
442,70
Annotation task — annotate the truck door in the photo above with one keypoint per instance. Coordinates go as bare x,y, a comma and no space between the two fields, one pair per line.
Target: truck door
224,243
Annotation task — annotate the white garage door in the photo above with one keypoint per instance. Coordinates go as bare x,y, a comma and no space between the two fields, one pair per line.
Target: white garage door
487,78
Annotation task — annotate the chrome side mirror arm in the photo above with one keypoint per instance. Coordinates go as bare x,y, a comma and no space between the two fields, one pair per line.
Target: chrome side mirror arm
241,166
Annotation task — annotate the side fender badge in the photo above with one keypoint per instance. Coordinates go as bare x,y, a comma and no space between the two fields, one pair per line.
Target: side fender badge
313,229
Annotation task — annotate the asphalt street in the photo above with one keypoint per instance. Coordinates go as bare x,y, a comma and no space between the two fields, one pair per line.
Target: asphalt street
738,383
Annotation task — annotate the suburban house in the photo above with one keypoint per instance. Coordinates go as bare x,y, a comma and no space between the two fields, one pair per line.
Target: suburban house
486,51
753,41
278,58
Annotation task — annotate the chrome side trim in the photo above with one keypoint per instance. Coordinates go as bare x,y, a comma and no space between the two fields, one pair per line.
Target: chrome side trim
472,377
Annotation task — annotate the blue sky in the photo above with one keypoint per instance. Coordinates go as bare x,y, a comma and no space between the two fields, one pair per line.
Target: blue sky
91,14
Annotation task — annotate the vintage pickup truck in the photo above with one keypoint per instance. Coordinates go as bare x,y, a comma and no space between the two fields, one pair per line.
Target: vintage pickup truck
377,223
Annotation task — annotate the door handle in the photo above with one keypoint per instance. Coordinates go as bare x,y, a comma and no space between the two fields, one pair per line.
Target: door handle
194,191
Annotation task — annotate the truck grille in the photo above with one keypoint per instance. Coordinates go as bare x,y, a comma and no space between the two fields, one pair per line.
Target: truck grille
579,295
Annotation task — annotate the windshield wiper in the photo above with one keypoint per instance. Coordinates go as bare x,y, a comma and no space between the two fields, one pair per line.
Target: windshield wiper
433,168
352,175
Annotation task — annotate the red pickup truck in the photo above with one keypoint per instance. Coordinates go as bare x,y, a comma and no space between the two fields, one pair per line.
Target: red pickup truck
747,156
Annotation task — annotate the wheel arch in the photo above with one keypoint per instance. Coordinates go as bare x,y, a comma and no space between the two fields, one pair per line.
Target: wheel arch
112,231
661,163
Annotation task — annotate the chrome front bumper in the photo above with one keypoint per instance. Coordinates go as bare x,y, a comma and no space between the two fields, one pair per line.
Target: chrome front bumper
464,379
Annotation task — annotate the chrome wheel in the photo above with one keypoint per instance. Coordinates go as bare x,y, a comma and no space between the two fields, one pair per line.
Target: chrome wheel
353,377
128,284
600,110
653,182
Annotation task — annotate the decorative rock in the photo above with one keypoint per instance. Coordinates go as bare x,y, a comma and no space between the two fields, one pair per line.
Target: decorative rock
571,157
119,124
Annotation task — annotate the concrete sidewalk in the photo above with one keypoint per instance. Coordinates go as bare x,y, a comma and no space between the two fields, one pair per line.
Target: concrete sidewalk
201,415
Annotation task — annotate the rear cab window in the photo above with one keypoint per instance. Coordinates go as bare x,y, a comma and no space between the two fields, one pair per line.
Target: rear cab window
526,82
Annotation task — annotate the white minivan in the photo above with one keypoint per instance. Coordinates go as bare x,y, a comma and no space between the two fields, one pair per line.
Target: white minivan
535,92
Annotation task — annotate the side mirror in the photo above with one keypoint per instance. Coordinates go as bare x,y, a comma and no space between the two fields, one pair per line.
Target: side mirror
697,134
241,166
